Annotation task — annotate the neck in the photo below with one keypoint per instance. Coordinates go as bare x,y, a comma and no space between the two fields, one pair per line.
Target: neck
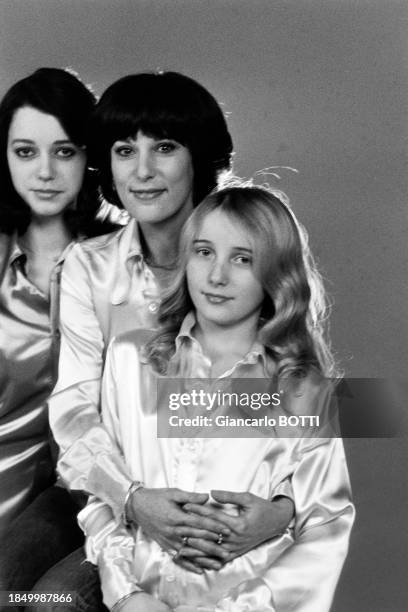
219,342
48,237
160,247
161,239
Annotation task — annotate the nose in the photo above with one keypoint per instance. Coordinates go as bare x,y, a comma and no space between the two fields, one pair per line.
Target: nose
145,166
46,168
218,274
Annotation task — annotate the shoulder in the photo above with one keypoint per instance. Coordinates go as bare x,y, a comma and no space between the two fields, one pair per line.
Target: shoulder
307,394
131,342
126,353
99,255
107,242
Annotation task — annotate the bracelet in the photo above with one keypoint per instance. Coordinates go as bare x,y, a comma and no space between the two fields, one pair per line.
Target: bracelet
122,600
135,485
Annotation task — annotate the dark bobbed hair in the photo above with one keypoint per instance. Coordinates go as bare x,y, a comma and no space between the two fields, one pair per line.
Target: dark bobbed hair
59,93
292,324
162,105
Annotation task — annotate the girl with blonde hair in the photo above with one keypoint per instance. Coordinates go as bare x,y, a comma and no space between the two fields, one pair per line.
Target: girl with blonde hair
246,304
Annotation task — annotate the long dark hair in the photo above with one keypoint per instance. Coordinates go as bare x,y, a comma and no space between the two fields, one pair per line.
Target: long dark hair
58,93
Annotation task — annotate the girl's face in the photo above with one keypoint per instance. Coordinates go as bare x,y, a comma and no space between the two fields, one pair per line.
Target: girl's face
46,167
153,178
220,275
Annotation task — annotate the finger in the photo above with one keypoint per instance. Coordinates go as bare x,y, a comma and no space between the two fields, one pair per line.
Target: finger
208,524
207,510
197,546
185,497
188,565
192,554
224,521
192,532
208,563
231,497
210,511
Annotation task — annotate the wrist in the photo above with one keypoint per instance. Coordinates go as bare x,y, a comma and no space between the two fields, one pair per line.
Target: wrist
121,602
284,511
128,515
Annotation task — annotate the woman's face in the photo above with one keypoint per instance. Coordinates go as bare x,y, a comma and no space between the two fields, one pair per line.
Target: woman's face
153,178
220,275
46,167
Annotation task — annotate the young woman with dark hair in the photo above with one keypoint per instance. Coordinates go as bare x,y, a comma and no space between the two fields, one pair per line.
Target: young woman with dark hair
48,201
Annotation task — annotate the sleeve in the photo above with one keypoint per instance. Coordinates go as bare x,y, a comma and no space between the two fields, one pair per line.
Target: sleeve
89,460
109,544
284,489
304,577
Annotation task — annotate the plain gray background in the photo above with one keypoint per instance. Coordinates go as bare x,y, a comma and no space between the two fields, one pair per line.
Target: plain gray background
319,85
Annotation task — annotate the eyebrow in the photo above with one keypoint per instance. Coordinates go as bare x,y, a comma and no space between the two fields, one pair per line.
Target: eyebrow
28,141
234,248
132,139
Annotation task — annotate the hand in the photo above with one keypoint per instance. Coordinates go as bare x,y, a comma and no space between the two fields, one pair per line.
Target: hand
258,520
142,602
161,515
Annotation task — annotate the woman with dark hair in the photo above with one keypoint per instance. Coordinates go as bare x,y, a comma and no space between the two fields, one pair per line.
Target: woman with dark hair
164,105
160,143
48,201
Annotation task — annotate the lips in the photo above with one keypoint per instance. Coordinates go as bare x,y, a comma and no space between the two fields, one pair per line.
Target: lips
215,298
46,194
147,194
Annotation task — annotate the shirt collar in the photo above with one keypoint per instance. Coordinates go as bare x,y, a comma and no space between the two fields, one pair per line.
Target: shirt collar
129,245
130,258
256,353
15,252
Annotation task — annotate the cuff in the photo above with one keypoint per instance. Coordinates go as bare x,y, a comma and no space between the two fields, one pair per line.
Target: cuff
284,489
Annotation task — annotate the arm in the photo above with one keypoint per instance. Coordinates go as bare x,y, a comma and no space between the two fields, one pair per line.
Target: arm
304,577
109,544
89,460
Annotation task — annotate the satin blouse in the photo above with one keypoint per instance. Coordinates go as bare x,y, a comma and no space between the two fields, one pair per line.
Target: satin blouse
28,361
106,289
296,571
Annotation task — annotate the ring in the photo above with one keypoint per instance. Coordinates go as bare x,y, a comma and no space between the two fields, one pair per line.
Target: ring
185,541
175,554
220,538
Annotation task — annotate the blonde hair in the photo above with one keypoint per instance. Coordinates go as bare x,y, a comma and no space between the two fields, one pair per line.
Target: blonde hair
293,317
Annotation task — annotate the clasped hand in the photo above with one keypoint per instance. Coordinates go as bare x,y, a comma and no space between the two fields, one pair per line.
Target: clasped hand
181,523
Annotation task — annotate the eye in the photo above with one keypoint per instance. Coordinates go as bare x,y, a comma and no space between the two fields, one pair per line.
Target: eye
167,146
25,152
244,260
66,152
123,151
202,251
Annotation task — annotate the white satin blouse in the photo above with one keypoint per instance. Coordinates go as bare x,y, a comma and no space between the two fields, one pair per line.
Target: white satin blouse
106,289
295,572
